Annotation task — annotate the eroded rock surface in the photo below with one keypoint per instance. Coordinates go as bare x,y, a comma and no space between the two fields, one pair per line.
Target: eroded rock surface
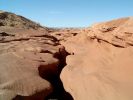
28,59
101,64
22,59
62,34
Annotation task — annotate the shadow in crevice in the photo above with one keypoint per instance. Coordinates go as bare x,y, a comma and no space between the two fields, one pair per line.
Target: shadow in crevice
59,92
38,96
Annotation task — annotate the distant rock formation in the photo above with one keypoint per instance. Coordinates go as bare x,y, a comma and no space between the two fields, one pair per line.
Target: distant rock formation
8,19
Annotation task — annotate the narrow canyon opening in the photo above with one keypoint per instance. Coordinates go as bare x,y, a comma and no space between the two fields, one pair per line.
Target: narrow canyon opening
59,92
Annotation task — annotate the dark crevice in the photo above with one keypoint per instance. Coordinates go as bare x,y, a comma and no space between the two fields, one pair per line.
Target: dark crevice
74,34
99,40
38,96
19,39
116,45
48,36
5,34
104,30
59,92
46,51
53,44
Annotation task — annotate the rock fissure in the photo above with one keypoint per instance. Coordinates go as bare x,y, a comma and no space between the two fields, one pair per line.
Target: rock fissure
59,92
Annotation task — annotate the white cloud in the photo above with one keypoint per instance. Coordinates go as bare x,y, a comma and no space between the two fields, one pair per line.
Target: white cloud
55,12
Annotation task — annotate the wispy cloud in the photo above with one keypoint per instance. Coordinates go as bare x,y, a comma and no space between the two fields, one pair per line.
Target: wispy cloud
55,12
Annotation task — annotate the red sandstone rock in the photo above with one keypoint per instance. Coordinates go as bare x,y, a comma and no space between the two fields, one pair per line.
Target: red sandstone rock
27,59
101,67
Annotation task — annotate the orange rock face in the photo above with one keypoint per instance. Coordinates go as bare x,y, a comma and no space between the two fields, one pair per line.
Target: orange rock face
29,59
101,67
26,64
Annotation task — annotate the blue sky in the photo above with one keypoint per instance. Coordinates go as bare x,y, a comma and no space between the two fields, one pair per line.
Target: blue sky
69,13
